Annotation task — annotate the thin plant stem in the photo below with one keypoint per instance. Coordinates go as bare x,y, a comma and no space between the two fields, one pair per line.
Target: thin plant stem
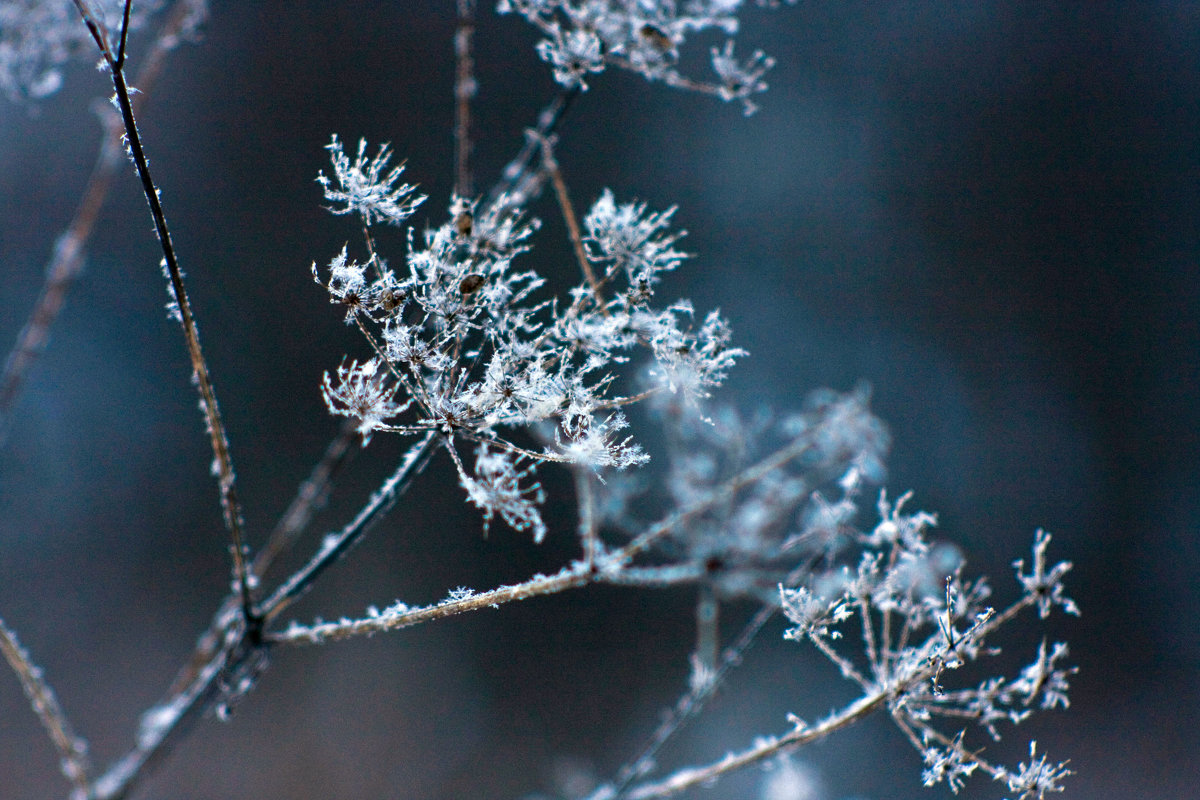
572,577
166,724
690,777
611,568
568,212
66,262
310,496
197,683
230,506
518,183
588,523
72,750
464,89
690,704
337,545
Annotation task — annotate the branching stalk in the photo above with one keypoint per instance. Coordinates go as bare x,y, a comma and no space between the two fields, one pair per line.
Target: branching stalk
67,259
339,544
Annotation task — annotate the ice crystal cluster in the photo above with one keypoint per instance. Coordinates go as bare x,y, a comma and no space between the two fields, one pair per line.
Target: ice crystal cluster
583,37
467,350
463,338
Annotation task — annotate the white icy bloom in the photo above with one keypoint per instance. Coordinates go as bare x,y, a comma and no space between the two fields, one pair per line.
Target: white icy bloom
1037,778
463,339
897,527
1043,678
362,393
496,489
629,238
811,613
1045,585
347,283
594,444
842,427
739,80
641,36
572,54
951,765
690,363
364,187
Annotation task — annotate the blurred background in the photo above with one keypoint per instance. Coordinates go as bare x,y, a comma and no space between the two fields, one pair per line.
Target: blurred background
986,210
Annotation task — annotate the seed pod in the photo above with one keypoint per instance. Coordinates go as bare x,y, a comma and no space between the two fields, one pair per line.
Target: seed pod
470,284
655,38
464,223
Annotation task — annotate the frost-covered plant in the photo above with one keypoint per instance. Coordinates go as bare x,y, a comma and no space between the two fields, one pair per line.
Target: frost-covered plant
464,339
643,36
467,351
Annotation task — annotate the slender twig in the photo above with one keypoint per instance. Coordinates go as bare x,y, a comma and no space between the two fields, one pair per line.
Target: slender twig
666,576
568,211
588,523
72,750
708,633
120,61
197,683
722,493
230,505
518,183
464,89
689,705
704,775
337,545
843,664
572,577
612,567
310,497
67,260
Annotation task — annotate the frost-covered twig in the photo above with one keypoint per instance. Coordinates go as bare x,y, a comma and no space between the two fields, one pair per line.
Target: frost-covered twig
464,90
165,724
399,615
765,748
336,545
72,749
569,216
114,58
291,525
689,705
612,567
520,180
67,259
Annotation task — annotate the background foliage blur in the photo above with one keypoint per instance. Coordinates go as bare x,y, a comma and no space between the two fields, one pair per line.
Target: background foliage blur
987,210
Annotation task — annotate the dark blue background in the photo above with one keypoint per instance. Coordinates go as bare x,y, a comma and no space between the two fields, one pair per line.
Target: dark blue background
986,210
